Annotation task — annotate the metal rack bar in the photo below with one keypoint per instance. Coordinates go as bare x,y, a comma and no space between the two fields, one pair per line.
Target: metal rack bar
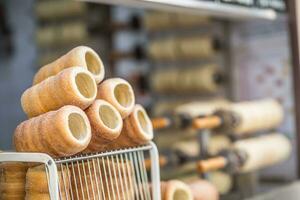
155,174
37,158
80,177
197,7
109,153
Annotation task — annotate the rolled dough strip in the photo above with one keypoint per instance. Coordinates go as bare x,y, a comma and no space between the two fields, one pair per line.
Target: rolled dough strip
72,86
10,176
191,147
5,196
106,123
43,196
250,154
205,79
12,180
195,47
257,115
174,190
69,33
37,182
13,167
137,130
46,10
264,151
156,21
222,181
13,187
203,190
205,107
63,132
182,48
81,56
119,93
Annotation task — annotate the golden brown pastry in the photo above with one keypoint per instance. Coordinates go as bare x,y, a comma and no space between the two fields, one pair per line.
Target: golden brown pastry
37,183
175,190
257,115
106,123
13,196
72,86
222,181
12,187
64,132
263,151
137,130
203,190
47,10
74,32
9,172
119,93
45,196
81,56
204,79
12,180
182,48
37,196
157,21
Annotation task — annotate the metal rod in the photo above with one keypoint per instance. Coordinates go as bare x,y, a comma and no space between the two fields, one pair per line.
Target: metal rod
155,172
96,179
85,157
100,178
134,176
69,178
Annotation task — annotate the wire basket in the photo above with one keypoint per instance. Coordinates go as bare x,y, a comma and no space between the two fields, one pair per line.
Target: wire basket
114,175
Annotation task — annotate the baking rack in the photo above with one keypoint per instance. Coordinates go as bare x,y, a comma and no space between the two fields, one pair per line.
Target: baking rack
114,175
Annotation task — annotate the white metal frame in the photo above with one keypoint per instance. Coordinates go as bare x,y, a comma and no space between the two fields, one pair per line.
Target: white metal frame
36,158
51,165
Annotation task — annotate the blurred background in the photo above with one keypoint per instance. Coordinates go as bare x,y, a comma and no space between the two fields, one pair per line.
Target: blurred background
213,60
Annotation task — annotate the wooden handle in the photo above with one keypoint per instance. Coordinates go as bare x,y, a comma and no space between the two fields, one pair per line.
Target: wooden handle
207,122
162,162
114,56
211,164
161,122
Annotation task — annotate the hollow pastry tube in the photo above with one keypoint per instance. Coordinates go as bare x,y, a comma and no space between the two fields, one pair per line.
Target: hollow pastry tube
119,93
64,132
174,189
37,183
106,123
82,56
203,190
137,130
72,86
